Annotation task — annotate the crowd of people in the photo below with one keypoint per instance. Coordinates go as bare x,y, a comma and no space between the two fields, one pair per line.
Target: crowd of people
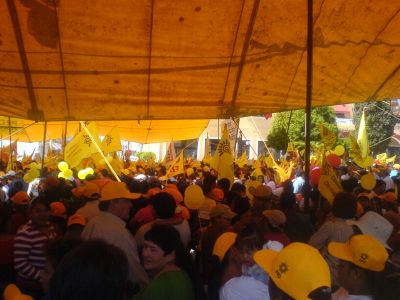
99,238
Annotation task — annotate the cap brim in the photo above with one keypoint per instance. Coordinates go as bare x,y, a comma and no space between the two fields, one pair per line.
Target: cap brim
340,250
130,196
362,227
265,259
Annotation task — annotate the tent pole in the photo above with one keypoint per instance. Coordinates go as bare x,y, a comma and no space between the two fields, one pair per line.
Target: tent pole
44,148
308,105
11,152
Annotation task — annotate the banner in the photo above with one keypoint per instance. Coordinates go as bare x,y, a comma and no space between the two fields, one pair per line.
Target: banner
328,185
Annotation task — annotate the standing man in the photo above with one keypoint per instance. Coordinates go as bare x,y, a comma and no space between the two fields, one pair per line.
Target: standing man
115,204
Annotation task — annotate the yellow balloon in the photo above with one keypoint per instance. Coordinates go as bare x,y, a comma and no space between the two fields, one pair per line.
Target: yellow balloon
368,181
89,171
339,150
194,197
82,174
63,166
61,175
68,173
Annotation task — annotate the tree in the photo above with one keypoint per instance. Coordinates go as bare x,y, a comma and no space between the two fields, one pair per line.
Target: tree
279,137
380,124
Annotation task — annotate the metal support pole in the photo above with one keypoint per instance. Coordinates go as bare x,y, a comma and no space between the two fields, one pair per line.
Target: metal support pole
44,148
307,191
11,152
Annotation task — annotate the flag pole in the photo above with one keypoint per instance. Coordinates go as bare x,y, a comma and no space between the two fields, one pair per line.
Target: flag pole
98,149
11,152
44,148
309,86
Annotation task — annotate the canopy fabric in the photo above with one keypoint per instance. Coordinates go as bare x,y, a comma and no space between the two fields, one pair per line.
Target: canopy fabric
124,60
145,132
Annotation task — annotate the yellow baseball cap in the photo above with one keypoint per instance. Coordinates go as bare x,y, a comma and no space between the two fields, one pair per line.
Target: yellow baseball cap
117,190
297,270
362,250
223,244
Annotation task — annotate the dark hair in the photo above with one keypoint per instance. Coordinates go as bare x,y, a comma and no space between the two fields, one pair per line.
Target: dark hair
344,205
224,184
164,205
168,239
249,238
104,205
287,200
5,215
93,270
55,250
238,187
39,201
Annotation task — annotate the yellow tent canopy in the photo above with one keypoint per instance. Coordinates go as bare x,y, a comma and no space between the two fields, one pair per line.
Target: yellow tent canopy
124,60
146,131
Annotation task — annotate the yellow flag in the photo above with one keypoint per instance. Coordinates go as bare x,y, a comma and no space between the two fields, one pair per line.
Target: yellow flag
223,159
328,137
177,166
269,161
290,147
111,141
81,146
242,160
391,159
362,138
328,184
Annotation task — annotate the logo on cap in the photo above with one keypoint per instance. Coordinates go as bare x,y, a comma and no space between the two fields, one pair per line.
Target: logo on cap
283,268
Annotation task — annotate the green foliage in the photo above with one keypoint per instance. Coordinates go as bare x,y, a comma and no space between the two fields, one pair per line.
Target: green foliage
278,137
146,156
380,124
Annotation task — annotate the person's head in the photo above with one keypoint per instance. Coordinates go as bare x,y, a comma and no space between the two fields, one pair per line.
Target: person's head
221,214
75,225
380,187
373,224
360,258
224,184
344,206
299,173
275,219
298,270
116,199
39,212
287,201
162,246
54,251
21,200
93,270
246,244
164,205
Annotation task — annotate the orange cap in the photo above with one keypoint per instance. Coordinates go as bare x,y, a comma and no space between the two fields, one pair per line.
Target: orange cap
76,219
57,209
21,198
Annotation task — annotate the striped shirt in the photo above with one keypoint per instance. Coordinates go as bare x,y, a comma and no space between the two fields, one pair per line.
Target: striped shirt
29,257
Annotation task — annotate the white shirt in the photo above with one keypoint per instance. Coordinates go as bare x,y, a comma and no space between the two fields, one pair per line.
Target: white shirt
244,288
112,229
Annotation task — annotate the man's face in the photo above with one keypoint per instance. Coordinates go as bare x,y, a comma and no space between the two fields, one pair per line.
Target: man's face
121,208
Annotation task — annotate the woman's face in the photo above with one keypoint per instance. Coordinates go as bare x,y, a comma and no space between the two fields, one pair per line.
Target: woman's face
154,258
